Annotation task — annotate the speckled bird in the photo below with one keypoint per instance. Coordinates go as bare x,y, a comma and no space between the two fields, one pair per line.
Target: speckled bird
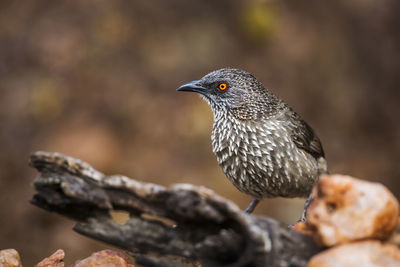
263,147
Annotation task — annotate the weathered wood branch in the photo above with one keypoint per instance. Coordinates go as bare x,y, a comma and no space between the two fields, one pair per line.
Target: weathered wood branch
206,228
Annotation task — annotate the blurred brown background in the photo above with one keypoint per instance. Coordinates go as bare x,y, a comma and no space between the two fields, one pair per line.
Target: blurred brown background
96,80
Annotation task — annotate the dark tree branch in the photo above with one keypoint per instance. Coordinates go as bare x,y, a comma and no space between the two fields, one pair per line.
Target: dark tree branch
206,228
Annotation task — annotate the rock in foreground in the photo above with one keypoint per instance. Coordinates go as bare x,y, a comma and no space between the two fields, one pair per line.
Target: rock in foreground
366,253
55,260
105,257
10,258
346,209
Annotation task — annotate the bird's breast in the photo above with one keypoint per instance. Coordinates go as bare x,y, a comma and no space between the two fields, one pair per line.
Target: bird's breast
261,159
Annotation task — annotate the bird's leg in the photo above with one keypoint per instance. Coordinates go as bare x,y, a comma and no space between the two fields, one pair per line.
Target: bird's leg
304,214
252,206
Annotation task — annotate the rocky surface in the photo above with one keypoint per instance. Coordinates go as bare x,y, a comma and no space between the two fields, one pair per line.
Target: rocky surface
10,258
346,209
55,260
105,257
370,253
353,221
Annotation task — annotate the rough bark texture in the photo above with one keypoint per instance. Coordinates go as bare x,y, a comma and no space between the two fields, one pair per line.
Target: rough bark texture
205,227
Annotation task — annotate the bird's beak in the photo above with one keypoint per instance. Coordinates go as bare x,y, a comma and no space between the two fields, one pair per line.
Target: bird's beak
193,86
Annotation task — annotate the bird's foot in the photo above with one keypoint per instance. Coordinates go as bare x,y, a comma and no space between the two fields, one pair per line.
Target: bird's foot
252,206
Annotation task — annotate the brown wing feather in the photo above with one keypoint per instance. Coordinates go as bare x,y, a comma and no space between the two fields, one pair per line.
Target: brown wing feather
304,136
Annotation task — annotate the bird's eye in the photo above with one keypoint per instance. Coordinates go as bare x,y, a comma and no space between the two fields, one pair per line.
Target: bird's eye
222,86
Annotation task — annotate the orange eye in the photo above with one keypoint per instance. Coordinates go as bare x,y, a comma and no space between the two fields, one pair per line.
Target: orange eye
222,86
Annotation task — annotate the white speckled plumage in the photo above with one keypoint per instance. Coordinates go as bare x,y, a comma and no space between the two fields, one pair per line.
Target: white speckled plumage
262,154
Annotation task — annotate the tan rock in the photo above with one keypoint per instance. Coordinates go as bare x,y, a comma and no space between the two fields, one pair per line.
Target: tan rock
10,258
55,260
395,237
365,253
345,209
105,257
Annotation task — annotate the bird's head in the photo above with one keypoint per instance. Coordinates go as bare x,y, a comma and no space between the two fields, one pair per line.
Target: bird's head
235,91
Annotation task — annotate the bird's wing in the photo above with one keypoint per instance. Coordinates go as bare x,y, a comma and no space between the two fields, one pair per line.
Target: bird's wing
303,135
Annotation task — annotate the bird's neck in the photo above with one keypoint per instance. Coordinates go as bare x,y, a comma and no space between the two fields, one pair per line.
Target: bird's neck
225,130
256,111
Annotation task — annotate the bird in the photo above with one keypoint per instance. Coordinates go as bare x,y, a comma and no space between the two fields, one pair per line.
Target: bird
263,146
